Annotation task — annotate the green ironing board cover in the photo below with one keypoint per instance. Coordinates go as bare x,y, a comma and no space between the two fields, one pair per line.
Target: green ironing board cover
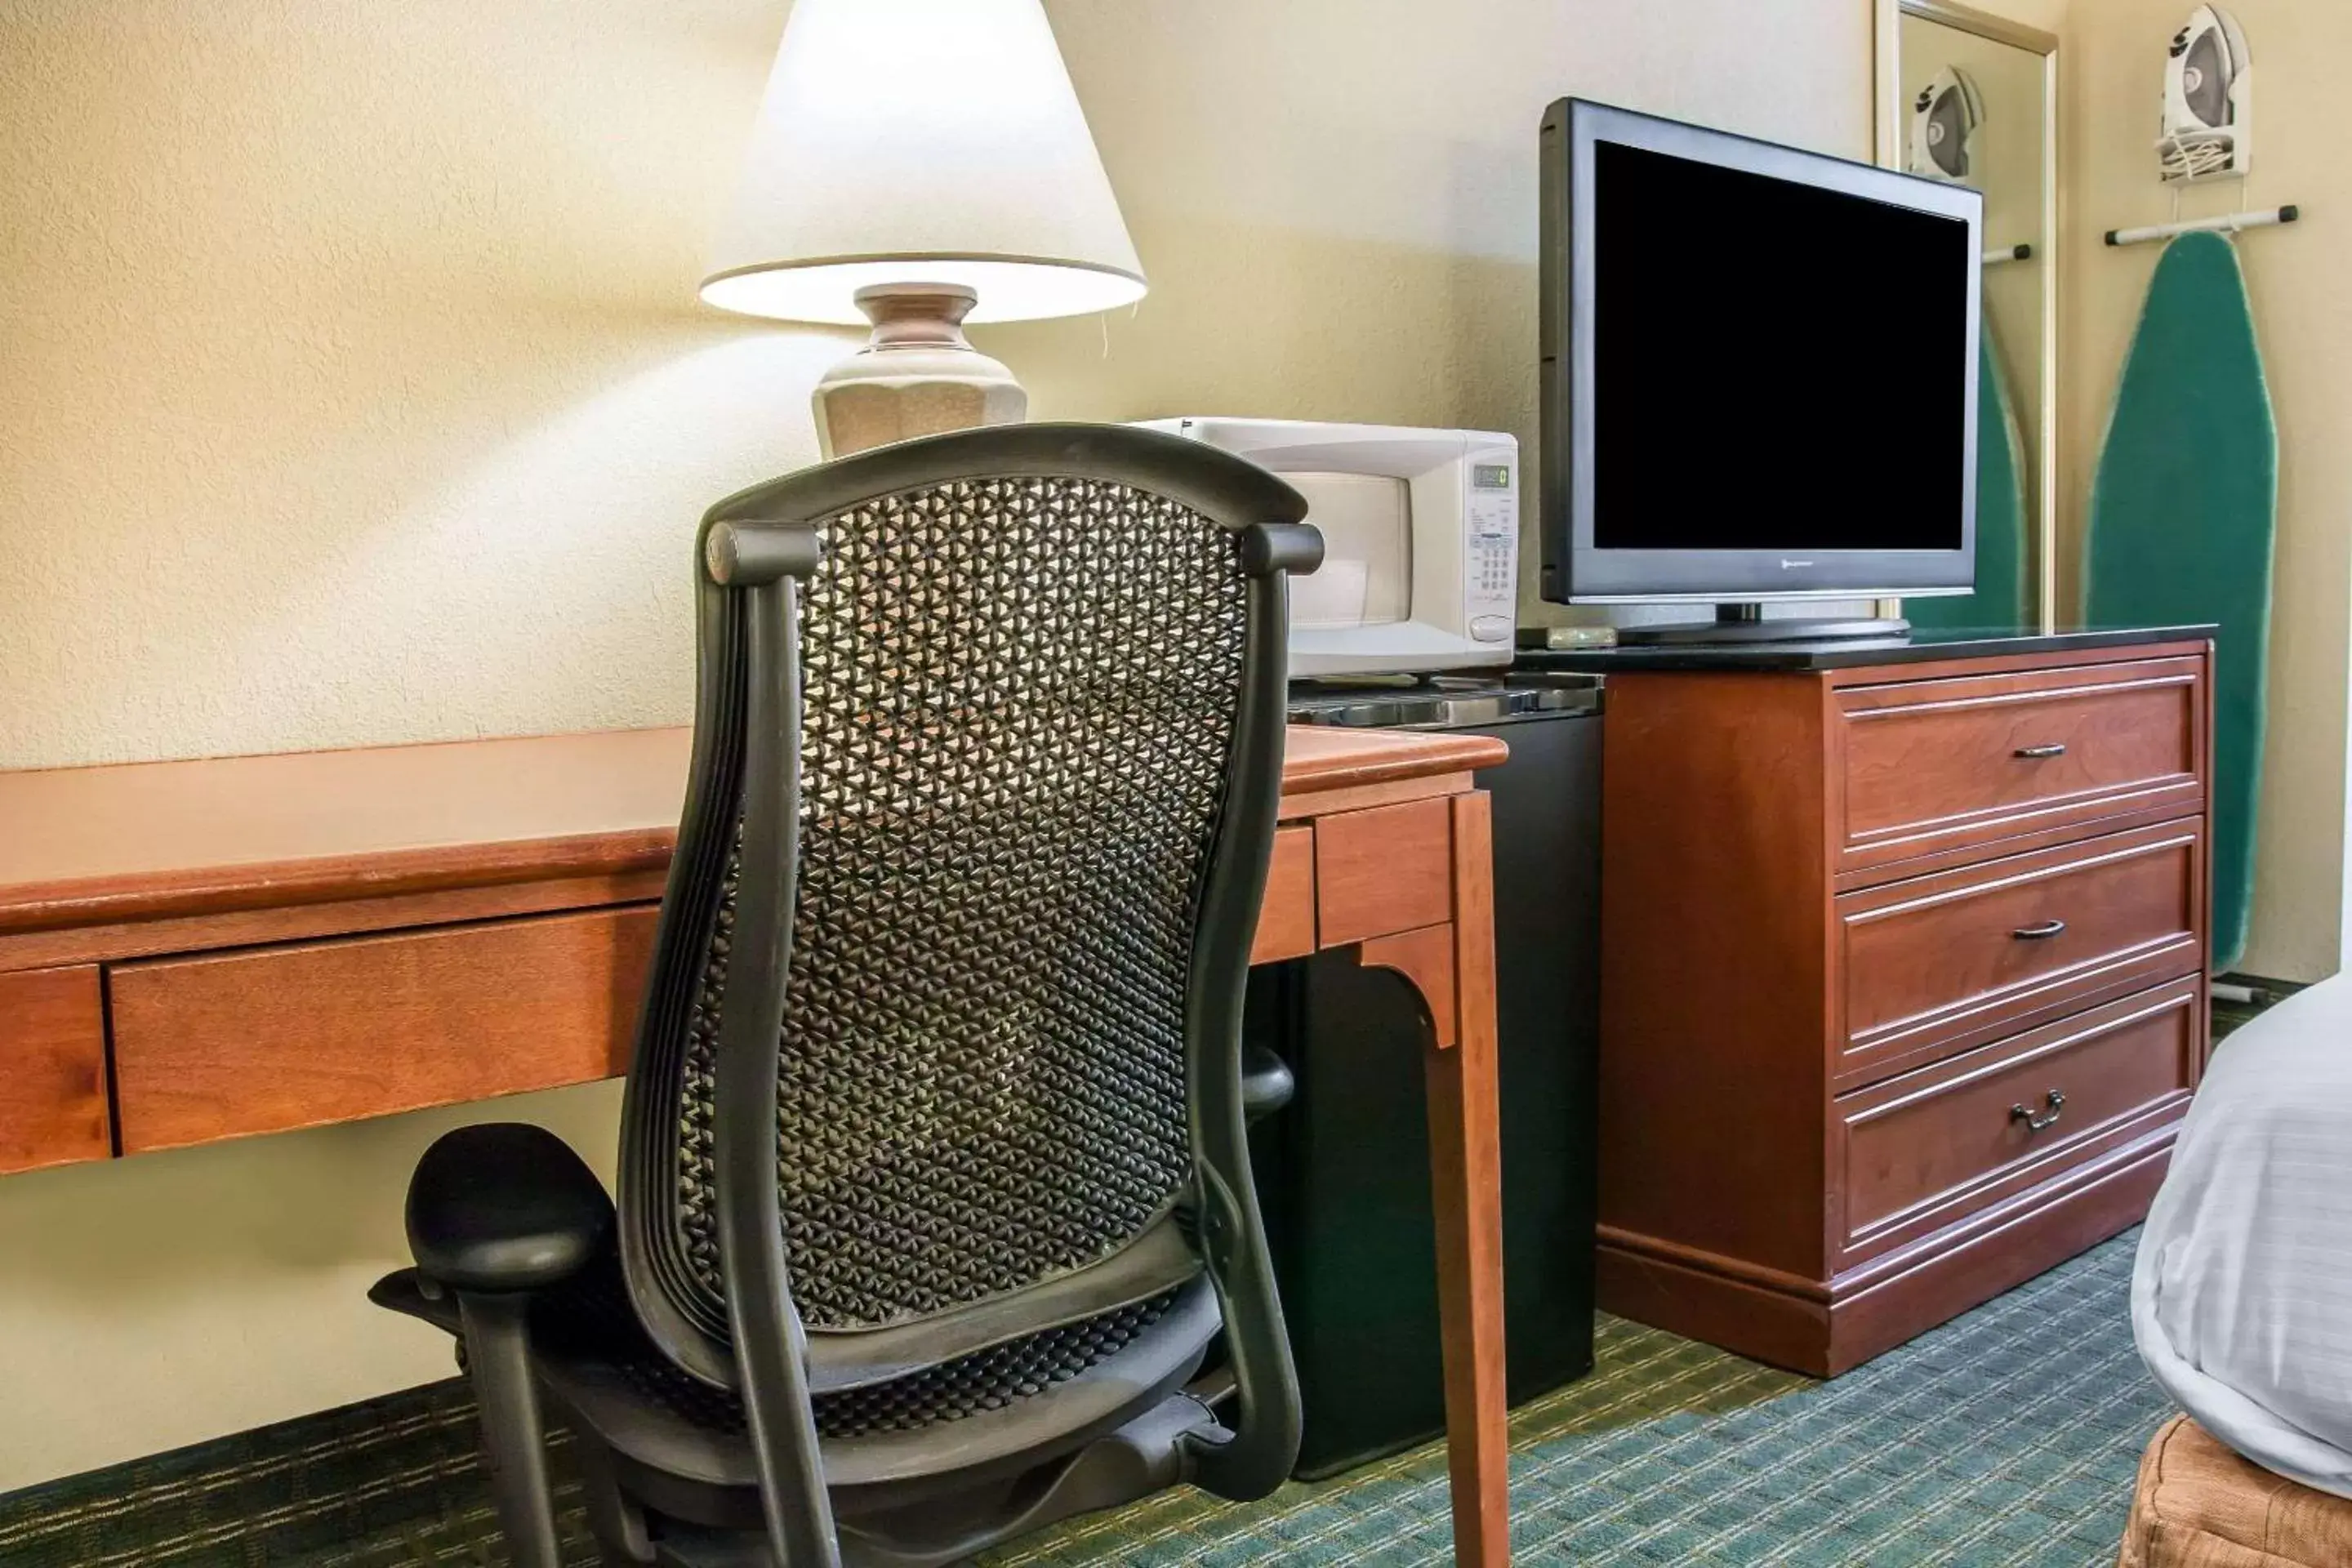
2183,512
1999,598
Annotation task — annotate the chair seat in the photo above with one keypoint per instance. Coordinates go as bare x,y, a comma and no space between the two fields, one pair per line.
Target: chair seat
1034,1397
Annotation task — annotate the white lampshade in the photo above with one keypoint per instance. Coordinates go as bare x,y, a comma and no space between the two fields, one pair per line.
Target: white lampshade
922,142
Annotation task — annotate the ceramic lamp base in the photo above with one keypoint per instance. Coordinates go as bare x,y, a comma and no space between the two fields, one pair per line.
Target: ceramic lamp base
915,377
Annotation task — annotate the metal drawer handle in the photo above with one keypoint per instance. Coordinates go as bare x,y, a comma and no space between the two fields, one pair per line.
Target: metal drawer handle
2054,749
2041,933
2040,1123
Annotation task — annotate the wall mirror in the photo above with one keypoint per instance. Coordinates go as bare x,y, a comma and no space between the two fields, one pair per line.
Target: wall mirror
1972,98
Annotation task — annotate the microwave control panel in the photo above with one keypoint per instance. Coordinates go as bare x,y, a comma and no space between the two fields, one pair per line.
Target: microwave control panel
1491,558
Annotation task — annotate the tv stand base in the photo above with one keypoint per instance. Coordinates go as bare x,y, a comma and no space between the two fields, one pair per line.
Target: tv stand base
1746,623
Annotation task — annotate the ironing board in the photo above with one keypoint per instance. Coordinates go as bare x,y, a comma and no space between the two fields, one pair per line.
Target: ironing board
2183,510
1999,598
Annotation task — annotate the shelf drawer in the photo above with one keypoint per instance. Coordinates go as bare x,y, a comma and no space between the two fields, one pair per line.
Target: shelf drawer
274,1037
1933,965
1929,765
1921,1151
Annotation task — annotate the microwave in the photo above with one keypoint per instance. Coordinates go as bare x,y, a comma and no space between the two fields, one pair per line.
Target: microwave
1421,540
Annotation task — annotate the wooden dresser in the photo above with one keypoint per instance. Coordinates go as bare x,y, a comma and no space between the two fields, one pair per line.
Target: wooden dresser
1904,964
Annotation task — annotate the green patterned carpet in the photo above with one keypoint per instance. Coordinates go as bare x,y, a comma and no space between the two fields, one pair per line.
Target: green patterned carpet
2009,1437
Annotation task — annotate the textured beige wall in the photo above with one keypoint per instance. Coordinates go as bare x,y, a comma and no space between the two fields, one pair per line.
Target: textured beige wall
354,386
2114,82
159,1301
351,389
2050,16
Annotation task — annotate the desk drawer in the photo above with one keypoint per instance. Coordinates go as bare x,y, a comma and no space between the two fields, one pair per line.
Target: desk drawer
258,1041
1286,915
1383,870
1935,964
1924,1150
1938,764
52,1069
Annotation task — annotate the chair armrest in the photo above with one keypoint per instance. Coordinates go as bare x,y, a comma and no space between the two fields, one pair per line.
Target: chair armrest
504,1207
1266,1083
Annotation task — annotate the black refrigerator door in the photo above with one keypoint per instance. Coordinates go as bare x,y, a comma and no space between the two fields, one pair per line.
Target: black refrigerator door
1344,1170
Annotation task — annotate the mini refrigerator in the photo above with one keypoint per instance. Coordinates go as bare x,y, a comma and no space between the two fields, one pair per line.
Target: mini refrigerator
1343,1171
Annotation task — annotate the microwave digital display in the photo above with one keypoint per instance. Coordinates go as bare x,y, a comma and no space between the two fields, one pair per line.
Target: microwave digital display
1490,475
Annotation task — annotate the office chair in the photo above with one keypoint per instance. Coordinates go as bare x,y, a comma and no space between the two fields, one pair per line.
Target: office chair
935,1219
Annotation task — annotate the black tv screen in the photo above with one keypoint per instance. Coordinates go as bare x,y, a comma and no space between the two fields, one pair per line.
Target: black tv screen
1760,368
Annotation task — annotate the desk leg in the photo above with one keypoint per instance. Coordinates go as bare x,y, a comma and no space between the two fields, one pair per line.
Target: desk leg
1465,1170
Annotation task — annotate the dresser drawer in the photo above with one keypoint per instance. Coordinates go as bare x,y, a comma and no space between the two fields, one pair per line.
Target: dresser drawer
1928,765
225,1043
1935,964
1921,1151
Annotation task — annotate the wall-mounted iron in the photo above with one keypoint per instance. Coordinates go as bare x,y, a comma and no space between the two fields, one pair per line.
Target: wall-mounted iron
2209,103
2209,100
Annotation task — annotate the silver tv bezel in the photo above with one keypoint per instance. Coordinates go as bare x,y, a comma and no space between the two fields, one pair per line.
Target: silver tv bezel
1576,571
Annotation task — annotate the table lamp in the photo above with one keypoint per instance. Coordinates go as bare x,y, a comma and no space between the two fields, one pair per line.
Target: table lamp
918,164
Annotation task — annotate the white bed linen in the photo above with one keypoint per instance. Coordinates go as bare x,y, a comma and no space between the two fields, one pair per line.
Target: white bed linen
2242,1296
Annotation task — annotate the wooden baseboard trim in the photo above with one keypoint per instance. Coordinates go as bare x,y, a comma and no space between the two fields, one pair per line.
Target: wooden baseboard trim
1763,1324
1681,1255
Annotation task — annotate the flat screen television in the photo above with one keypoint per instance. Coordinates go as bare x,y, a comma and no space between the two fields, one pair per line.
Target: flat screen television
1759,372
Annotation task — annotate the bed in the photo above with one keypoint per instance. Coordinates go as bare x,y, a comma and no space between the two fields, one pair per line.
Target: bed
2242,1296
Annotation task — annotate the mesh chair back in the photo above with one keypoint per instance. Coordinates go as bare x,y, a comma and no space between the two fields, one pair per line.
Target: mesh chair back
1019,699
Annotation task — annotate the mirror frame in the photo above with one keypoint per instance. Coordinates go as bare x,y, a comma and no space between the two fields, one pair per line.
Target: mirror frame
1890,121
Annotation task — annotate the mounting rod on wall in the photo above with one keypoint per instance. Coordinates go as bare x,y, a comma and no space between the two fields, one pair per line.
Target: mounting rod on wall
2018,252
2228,223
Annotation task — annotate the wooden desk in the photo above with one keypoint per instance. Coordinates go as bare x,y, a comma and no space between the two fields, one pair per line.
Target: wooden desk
191,952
